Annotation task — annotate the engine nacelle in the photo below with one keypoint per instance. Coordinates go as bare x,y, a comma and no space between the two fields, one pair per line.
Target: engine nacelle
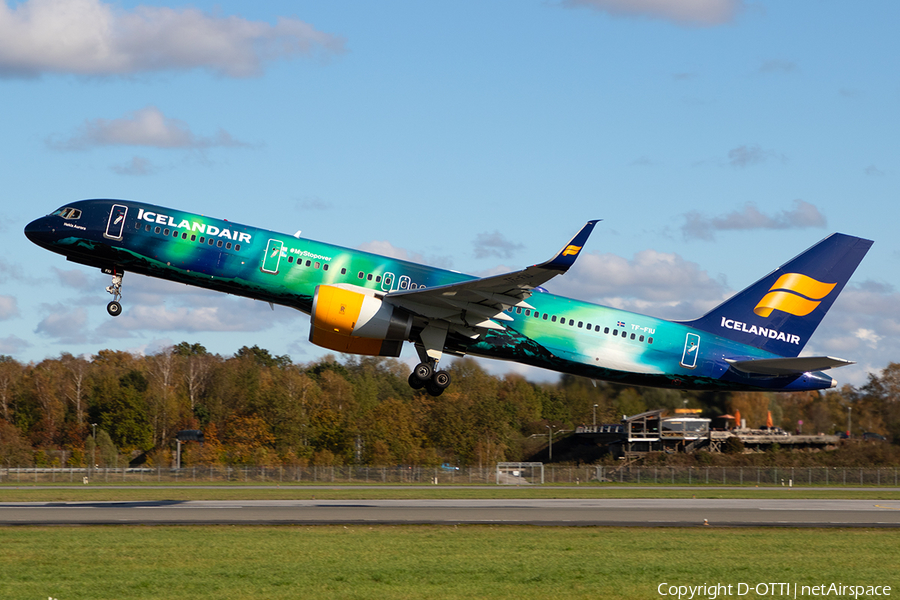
356,322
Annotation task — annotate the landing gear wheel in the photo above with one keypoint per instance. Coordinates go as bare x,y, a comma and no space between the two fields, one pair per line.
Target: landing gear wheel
114,309
414,382
441,380
423,371
433,389
115,288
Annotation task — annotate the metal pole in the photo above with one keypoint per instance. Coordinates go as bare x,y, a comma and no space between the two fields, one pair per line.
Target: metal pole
94,449
595,418
550,457
849,408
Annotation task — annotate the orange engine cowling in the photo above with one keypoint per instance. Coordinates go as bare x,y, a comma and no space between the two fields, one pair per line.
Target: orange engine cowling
358,323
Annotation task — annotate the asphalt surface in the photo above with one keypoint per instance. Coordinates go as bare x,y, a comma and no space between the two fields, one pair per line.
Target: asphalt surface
560,512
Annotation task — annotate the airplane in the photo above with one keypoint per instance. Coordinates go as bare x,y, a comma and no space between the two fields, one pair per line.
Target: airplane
363,303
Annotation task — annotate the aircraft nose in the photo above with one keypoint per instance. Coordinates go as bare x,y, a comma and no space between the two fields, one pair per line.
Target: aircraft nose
40,231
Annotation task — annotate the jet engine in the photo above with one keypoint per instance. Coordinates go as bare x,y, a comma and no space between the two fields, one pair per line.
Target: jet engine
357,322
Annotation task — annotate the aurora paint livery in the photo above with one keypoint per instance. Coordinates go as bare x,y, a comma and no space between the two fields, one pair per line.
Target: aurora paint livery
369,304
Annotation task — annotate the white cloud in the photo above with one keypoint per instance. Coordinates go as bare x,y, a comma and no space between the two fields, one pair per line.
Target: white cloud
93,38
75,278
8,308
746,156
778,66
801,216
196,319
496,245
145,127
138,165
656,283
863,326
13,344
703,13
873,171
66,324
384,248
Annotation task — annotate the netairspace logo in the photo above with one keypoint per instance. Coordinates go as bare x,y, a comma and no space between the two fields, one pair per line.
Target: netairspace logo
771,590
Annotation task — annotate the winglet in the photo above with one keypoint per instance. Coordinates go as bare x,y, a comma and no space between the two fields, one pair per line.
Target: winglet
565,258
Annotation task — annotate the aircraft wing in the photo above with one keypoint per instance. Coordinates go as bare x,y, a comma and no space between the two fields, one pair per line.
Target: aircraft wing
479,304
788,365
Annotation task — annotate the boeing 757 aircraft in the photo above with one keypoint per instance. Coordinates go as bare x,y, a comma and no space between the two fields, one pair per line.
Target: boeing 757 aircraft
362,303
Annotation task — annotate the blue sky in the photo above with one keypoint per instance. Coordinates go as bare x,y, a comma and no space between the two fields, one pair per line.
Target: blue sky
715,138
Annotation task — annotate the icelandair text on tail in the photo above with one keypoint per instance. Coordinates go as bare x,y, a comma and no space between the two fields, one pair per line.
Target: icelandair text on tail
711,591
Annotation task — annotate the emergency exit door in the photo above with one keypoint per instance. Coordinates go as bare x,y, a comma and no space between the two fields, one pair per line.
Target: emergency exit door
691,350
116,222
272,257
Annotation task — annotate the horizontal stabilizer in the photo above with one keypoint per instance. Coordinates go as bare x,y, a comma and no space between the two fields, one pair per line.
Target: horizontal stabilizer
788,366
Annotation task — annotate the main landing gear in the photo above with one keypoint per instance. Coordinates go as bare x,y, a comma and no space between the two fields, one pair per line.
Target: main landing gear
114,308
424,376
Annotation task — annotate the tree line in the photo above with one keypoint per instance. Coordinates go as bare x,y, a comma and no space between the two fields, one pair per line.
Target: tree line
116,408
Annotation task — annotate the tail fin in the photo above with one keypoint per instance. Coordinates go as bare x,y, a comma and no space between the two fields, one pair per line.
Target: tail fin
780,312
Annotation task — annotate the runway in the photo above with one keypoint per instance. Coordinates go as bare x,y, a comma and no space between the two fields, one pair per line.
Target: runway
655,512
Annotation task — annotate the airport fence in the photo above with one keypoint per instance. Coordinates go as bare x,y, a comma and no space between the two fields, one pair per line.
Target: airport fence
553,474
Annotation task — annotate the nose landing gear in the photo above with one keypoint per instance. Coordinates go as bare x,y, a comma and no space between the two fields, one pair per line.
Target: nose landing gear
114,308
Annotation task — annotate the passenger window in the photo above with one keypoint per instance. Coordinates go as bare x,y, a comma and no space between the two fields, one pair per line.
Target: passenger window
369,277
210,241
403,283
318,265
202,239
413,286
174,233
146,228
194,237
605,329
615,332
219,243
228,245
237,247
324,267
596,328
360,274
378,279
649,340
309,262
166,232
527,312
545,316
137,224
290,259
632,336
641,339
553,319
184,236
571,322
518,310
156,229
580,324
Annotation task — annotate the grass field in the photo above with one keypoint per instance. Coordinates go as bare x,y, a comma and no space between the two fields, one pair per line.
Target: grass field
411,562
469,562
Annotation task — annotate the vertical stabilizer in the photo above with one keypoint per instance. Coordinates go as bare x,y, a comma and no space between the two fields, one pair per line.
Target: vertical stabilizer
780,312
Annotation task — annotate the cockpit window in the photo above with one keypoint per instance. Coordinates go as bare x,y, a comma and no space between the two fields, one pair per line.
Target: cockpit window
67,213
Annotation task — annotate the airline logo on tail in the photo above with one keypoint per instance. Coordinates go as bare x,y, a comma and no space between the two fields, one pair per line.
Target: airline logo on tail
571,250
795,294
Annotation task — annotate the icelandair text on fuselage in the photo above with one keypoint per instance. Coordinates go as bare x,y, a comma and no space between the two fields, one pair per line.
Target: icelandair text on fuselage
771,590
769,333
210,230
